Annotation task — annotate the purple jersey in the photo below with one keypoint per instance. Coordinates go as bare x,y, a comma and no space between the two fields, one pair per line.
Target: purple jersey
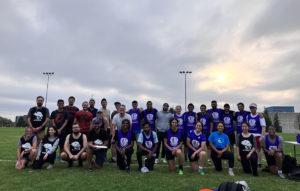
180,119
148,142
271,146
196,140
240,119
217,117
228,123
150,116
254,124
205,120
189,121
173,140
136,120
124,140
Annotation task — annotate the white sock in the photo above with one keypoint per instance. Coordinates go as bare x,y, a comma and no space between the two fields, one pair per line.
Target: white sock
259,162
279,171
230,169
200,167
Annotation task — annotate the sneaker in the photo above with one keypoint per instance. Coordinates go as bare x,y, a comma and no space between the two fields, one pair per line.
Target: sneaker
164,160
139,169
113,160
156,161
209,161
230,173
201,171
281,175
180,172
50,166
58,158
90,170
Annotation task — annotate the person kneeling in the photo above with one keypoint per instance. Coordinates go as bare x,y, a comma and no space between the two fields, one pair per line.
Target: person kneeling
147,146
98,141
124,145
47,149
219,143
273,149
173,144
26,148
196,142
245,150
74,148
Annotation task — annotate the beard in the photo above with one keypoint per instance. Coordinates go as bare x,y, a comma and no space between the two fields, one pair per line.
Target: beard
39,104
76,133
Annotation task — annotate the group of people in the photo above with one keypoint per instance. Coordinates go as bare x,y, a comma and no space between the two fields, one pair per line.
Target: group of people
209,135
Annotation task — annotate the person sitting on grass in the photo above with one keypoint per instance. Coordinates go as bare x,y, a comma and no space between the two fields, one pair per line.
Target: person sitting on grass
173,144
47,149
196,142
245,150
97,141
272,145
26,148
147,145
75,147
219,143
124,138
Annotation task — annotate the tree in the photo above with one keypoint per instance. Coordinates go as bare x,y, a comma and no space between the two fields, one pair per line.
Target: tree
4,122
277,126
21,122
267,118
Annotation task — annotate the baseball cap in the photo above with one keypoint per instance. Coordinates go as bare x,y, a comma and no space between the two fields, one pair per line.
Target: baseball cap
96,121
253,105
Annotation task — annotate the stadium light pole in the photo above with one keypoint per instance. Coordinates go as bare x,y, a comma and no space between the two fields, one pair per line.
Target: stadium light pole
185,73
48,74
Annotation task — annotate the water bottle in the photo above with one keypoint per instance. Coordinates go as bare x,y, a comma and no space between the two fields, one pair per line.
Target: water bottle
298,138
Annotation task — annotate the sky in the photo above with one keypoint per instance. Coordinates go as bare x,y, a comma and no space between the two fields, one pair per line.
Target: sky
238,51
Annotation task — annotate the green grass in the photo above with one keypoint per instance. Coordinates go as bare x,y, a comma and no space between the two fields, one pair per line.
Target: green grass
110,178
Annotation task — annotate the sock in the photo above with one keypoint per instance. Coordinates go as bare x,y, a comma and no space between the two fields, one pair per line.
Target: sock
180,167
259,162
200,167
279,171
230,169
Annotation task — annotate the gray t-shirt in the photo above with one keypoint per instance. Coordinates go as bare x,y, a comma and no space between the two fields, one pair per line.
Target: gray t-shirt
280,146
163,120
117,120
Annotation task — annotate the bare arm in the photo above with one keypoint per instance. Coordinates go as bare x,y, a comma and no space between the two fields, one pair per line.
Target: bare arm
66,145
188,143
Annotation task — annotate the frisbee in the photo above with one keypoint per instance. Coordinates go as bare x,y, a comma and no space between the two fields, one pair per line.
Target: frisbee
101,147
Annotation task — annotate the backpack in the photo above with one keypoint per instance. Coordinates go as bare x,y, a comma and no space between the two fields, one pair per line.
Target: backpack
288,164
295,174
230,186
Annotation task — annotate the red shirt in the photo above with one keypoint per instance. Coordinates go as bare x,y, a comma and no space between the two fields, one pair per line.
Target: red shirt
84,119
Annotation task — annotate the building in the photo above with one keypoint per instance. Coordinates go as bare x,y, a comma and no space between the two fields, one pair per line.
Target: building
281,109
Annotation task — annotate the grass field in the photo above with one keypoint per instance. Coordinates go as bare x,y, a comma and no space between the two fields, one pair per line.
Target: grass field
110,178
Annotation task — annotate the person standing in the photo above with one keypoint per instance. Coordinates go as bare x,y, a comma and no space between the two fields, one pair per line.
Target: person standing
257,127
245,150
189,125
106,114
173,146
38,118
71,109
92,108
196,142
272,145
117,105
227,118
135,114
215,113
84,118
59,119
26,149
124,145
240,117
148,144
207,121
75,147
219,143
163,124
179,117
149,115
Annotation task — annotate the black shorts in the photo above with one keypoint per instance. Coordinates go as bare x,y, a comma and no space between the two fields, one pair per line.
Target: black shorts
270,160
25,157
195,159
207,136
169,155
231,138
100,156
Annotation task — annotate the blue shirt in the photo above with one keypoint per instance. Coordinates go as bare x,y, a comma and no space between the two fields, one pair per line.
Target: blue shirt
219,140
141,138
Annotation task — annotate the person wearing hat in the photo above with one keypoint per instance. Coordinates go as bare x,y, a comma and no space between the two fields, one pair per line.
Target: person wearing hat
257,127
103,121
97,141
92,108
227,118
147,145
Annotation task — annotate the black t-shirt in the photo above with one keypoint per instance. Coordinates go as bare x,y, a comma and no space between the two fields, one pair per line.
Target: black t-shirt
132,136
97,138
59,117
38,116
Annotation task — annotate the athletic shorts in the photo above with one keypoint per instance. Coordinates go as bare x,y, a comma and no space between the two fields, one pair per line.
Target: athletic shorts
231,138
100,156
169,155
195,159
270,160
258,142
25,157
